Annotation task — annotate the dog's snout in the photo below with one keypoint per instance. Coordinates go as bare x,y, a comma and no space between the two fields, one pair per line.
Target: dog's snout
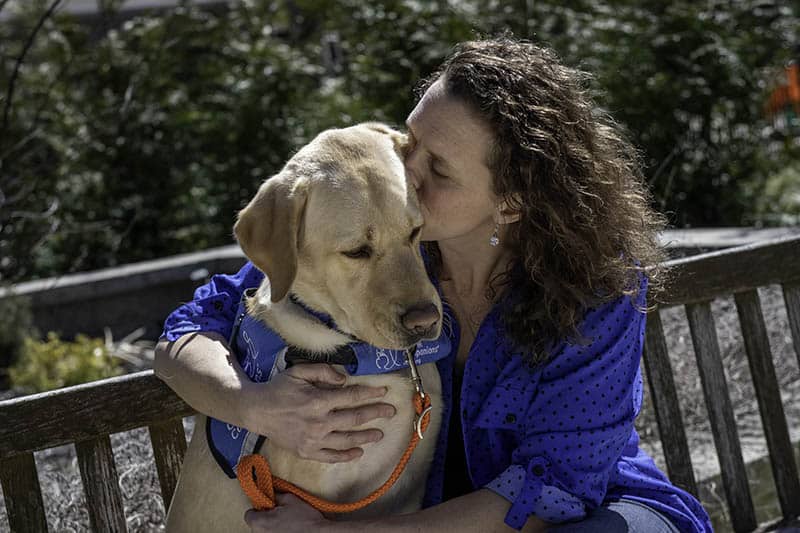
421,319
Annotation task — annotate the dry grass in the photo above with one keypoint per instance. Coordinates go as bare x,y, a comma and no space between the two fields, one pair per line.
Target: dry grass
63,495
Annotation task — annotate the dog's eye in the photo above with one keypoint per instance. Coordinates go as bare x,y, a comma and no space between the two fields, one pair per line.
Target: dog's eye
414,234
365,252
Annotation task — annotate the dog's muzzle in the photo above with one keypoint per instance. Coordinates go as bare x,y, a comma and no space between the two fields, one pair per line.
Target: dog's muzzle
421,321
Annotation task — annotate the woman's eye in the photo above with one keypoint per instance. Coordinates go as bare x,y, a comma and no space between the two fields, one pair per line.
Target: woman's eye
434,171
438,175
364,252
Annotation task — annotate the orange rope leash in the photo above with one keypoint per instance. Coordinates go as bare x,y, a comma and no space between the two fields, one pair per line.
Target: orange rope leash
259,485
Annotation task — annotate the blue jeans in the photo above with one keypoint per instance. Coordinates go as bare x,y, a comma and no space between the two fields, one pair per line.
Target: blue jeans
622,516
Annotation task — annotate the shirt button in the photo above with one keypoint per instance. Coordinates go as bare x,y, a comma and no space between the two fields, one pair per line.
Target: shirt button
510,418
538,470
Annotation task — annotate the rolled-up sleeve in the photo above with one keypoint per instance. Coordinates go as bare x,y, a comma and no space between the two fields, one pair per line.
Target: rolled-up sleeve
547,502
579,419
214,306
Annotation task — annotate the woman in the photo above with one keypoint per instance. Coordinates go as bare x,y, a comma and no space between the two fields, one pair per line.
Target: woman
538,232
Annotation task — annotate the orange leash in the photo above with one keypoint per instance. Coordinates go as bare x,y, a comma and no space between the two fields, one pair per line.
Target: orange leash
259,485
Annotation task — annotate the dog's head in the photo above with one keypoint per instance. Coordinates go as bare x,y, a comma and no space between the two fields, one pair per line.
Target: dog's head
339,228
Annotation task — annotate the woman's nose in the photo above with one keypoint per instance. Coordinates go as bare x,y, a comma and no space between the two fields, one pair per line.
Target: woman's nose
412,169
413,178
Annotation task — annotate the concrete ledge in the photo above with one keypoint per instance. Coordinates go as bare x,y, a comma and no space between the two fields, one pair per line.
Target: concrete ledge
196,267
142,294
715,238
122,298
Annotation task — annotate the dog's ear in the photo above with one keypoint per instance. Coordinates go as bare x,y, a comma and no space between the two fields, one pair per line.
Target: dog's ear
268,230
400,140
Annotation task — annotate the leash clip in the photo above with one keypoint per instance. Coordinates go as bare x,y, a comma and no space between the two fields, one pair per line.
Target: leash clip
416,379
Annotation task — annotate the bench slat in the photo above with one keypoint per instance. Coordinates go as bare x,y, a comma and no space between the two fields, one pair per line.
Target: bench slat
791,296
22,494
703,278
101,484
720,413
86,411
169,447
759,355
666,407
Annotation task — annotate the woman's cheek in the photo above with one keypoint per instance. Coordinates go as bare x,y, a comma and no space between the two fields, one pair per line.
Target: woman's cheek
424,198
433,200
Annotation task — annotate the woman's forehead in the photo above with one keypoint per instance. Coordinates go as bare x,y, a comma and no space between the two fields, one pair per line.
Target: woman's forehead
448,126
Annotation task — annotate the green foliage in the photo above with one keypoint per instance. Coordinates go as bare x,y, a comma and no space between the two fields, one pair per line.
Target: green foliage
156,133
54,363
779,202
15,324
132,141
689,80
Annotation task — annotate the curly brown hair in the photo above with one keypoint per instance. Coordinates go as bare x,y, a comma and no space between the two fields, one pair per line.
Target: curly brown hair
587,230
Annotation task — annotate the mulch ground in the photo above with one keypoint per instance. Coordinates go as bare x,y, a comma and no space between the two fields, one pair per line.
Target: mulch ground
63,494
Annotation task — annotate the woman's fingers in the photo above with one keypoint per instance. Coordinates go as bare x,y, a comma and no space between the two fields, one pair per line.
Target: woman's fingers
326,455
317,373
352,395
257,519
321,374
345,440
347,419
315,416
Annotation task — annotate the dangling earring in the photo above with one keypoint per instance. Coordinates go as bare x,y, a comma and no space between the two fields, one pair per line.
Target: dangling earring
494,240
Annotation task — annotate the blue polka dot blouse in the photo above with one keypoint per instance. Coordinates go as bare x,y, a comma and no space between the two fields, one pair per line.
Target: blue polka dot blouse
555,440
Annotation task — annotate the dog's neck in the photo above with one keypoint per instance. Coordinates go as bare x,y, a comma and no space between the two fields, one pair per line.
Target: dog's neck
294,323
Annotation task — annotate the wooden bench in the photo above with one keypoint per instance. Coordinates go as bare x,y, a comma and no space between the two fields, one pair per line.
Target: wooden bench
87,414
696,281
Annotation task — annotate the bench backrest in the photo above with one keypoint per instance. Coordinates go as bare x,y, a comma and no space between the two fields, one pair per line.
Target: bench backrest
87,414
695,283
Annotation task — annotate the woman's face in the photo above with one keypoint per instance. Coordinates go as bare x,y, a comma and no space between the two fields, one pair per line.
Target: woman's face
447,164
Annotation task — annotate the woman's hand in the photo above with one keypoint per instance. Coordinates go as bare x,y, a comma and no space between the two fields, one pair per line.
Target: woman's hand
307,410
290,515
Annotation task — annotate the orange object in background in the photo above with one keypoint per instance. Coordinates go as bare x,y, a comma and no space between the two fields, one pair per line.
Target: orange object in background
786,95
793,74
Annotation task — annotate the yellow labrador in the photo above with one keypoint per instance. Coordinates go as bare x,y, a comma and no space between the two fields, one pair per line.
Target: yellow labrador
337,229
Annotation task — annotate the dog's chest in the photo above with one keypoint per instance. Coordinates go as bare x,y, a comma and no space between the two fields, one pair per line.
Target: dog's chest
346,482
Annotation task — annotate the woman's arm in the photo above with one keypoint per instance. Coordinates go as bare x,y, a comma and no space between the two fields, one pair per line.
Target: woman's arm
482,511
304,409
200,368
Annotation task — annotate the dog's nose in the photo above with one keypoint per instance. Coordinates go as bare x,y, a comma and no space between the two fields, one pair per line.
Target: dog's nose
420,319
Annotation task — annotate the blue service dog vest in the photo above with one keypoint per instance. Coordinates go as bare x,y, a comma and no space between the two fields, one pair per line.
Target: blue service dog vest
260,352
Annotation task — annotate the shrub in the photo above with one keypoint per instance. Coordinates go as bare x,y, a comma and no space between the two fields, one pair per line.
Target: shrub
779,201
128,140
55,363
14,327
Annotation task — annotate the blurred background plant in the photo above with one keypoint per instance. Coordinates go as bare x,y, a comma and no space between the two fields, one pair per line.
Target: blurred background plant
55,363
15,325
131,138
134,135
779,204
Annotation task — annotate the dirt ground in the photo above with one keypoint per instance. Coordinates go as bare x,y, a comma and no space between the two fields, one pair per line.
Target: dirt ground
64,501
